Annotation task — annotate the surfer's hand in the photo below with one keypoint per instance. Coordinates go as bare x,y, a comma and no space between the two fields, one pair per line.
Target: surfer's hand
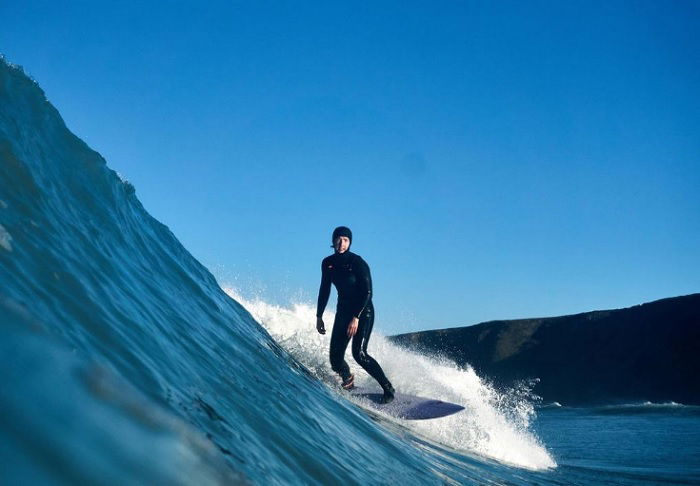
320,326
352,327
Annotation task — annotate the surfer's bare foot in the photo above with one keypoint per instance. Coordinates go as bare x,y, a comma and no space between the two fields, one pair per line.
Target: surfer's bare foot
349,383
388,393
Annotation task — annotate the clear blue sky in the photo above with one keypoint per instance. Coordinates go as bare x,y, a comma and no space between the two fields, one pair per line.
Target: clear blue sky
494,159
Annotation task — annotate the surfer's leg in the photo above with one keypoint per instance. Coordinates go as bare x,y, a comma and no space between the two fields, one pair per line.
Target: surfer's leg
359,347
339,343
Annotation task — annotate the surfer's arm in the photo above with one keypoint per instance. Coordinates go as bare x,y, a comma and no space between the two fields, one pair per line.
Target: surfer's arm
364,282
324,291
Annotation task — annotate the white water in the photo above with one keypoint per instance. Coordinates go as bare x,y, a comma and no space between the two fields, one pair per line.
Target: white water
493,425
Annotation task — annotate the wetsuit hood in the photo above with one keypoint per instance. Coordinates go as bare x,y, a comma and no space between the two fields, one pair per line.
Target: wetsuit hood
341,231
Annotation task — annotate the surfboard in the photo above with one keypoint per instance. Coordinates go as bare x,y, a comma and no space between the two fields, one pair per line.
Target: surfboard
407,407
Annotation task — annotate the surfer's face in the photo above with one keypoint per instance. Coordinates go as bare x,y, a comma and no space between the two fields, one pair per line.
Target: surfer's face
341,244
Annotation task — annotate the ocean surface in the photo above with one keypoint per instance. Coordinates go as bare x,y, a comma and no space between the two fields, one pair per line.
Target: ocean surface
125,361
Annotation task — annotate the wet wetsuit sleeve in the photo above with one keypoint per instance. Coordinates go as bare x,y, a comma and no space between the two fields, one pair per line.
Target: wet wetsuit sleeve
364,283
324,291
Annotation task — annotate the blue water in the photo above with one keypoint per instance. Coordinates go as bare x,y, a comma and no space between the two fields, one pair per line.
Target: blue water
124,361
624,444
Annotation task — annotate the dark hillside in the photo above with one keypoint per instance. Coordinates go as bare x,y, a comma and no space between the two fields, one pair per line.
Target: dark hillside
646,352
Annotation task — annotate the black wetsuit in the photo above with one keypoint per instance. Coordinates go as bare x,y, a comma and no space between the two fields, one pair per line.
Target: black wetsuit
350,275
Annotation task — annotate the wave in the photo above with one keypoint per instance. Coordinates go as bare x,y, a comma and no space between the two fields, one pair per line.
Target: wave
550,405
494,425
647,407
125,362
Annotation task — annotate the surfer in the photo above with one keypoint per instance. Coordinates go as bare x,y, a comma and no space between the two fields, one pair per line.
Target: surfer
354,315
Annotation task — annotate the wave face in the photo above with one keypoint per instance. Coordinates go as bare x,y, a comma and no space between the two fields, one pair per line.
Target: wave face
494,425
124,361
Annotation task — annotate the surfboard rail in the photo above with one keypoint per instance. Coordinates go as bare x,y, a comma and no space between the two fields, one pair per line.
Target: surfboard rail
407,407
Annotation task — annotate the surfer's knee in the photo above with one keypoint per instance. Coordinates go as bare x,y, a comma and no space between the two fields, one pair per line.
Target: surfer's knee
360,356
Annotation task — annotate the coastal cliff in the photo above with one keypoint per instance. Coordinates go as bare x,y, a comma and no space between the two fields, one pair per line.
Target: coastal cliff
649,352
